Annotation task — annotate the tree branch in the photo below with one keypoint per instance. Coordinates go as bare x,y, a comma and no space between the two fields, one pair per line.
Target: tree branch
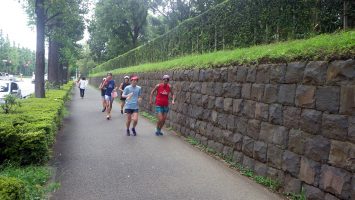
156,9
53,16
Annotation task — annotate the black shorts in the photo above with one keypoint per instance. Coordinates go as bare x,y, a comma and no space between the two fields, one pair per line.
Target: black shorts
131,111
103,93
123,99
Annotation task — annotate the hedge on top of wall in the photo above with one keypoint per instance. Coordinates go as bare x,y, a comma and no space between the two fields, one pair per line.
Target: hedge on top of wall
237,23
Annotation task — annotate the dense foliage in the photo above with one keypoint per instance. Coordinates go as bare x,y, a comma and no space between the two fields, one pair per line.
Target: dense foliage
15,59
237,23
11,189
62,22
121,25
27,134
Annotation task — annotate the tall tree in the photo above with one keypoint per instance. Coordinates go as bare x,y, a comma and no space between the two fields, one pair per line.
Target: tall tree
65,26
117,27
40,50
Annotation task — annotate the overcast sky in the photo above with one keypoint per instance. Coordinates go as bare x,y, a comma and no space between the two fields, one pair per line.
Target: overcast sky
13,22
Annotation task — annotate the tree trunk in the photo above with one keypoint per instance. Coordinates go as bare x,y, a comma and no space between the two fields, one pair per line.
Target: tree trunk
61,74
135,36
53,63
40,62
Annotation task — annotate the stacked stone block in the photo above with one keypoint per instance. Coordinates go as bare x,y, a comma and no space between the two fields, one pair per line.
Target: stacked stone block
293,122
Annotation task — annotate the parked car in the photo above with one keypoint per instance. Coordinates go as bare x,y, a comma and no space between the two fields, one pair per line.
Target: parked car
9,87
6,76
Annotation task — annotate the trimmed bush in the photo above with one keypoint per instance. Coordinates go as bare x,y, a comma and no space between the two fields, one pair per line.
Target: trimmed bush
236,23
27,134
12,189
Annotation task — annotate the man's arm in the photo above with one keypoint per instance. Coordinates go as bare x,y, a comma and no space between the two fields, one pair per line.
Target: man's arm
120,88
152,93
172,93
140,95
115,87
124,94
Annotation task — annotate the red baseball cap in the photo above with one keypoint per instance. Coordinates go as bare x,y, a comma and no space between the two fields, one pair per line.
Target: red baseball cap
134,78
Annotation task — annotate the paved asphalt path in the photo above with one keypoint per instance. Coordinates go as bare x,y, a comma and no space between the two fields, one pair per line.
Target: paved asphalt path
95,160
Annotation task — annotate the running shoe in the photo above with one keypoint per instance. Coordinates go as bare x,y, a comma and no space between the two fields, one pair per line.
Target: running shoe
134,132
122,112
103,110
157,133
128,133
108,117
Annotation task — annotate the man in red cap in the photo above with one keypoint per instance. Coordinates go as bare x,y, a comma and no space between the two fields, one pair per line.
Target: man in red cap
162,102
132,93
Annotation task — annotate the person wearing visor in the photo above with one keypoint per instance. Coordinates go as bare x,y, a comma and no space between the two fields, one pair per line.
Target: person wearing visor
132,93
162,91
121,88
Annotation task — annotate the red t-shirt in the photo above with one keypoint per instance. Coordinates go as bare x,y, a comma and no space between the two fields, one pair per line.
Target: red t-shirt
162,98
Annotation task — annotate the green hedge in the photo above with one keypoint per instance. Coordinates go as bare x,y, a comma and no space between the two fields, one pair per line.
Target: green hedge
236,23
27,134
333,46
11,189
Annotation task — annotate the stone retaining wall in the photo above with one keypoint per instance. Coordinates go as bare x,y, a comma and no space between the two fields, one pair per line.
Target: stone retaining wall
292,122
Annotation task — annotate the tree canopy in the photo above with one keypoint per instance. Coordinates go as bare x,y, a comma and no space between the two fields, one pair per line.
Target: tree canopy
15,59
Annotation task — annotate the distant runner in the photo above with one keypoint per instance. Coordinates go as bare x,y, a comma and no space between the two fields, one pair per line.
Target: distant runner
110,88
82,83
132,93
121,88
162,102
102,88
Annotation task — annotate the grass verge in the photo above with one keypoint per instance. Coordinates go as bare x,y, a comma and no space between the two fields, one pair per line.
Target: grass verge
271,184
323,47
26,138
152,118
34,178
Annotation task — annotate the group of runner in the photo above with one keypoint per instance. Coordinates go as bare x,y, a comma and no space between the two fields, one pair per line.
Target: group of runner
131,96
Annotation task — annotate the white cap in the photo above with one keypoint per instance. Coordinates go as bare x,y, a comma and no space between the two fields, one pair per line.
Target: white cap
166,77
126,77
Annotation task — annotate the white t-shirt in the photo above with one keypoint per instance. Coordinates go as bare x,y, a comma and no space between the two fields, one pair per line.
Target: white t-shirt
83,84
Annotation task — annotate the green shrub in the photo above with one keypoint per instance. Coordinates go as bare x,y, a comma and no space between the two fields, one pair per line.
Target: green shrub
11,189
34,178
27,135
235,23
10,104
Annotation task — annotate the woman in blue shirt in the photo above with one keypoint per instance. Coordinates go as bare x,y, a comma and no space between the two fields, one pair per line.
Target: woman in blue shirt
132,93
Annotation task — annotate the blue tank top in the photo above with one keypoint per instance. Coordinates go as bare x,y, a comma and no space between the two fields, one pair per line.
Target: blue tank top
110,86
